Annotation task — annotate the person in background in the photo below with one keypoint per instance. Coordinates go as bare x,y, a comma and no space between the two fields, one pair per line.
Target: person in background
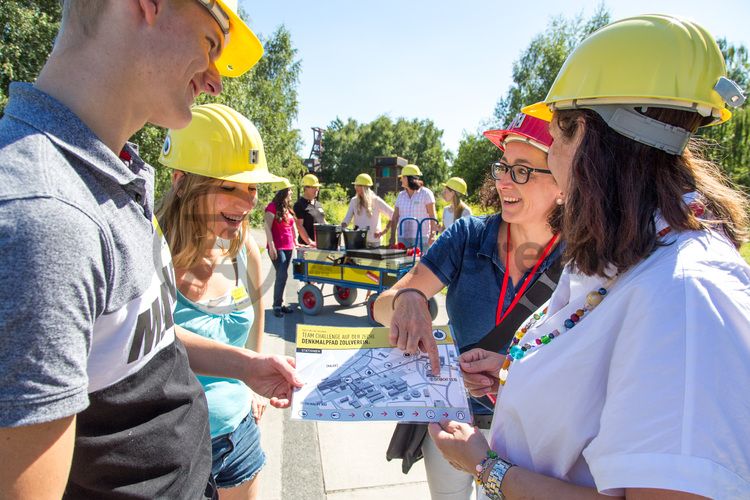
366,208
308,211
623,386
417,201
98,397
218,272
453,190
497,268
281,238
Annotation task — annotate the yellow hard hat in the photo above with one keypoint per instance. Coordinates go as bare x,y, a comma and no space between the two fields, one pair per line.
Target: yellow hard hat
650,60
218,143
310,180
363,180
282,183
457,184
242,49
411,169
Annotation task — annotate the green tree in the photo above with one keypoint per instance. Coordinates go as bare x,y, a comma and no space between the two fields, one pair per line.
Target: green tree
533,74
28,30
351,147
267,94
474,156
729,143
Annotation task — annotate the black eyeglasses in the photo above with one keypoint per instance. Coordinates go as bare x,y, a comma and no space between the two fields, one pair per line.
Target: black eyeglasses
518,173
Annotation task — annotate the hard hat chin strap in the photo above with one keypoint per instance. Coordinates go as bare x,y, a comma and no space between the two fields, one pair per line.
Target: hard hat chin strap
628,122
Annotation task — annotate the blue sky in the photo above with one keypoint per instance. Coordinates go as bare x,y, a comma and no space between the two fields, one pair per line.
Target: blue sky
449,61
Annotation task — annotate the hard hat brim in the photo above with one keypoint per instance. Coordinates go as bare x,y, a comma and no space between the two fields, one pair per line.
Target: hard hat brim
538,110
243,49
252,177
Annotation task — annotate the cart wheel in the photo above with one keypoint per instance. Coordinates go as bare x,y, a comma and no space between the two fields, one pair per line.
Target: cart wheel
310,299
432,303
344,296
370,306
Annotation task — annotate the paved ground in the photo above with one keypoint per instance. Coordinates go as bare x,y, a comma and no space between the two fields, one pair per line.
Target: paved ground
326,460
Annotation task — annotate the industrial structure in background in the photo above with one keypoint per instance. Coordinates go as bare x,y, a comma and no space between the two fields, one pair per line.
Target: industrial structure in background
313,160
387,171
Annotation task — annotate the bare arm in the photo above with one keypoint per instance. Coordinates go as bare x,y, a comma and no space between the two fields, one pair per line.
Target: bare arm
349,213
465,446
302,232
410,321
256,294
268,224
270,376
430,207
394,227
36,459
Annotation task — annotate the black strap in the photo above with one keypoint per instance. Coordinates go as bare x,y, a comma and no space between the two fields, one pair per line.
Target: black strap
236,272
499,337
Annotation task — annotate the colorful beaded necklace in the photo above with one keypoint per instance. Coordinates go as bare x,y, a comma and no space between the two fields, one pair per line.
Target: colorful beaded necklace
516,351
593,299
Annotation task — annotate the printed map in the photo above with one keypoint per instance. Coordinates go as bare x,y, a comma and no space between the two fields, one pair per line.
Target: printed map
352,374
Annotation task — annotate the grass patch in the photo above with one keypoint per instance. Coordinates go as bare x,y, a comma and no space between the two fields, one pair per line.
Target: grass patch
745,252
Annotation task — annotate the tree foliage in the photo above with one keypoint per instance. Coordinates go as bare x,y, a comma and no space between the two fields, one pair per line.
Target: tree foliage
533,74
350,147
730,142
267,94
28,31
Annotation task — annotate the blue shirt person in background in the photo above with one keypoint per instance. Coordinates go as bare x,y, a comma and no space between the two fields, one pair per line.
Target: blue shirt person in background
488,264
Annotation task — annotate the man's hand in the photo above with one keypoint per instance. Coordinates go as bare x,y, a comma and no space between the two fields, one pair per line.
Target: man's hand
411,328
461,444
480,369
273,377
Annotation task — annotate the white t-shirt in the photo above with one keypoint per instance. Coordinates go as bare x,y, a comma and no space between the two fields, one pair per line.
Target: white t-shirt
361,219
448,218
650,388
414,206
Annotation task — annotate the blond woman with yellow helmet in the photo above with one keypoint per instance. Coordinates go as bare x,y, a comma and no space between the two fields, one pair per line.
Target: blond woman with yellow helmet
624,384
453,190
218,162
365,208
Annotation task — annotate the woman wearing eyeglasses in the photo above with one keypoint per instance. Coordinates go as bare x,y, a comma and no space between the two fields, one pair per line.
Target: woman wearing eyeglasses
489,264
624,386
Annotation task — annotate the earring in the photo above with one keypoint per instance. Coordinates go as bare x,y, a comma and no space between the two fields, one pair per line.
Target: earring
560,201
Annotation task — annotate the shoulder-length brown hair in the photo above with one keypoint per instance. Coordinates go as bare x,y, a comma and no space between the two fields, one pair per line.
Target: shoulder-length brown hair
617,184
183,217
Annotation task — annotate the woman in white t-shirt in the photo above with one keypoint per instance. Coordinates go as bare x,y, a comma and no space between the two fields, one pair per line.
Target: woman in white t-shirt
453,190
366,208
631,383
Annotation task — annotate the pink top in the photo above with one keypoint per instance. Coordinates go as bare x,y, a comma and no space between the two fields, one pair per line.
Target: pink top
282,232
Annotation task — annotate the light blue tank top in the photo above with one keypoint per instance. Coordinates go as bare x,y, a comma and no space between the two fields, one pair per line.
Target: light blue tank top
225,319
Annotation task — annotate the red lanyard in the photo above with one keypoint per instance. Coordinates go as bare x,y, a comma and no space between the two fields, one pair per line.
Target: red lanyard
499,315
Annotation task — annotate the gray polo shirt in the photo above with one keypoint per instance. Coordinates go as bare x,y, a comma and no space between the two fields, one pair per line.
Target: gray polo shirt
86,307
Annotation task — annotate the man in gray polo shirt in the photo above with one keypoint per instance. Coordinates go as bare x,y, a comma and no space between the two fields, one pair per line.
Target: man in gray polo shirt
98,399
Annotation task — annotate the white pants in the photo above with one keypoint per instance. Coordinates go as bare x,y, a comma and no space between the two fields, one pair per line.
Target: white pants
445,482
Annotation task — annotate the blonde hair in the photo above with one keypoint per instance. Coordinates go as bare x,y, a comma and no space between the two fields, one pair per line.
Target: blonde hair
183,217
457,204
365,201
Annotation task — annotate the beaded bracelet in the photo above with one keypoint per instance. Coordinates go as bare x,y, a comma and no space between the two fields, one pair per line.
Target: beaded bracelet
404,290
